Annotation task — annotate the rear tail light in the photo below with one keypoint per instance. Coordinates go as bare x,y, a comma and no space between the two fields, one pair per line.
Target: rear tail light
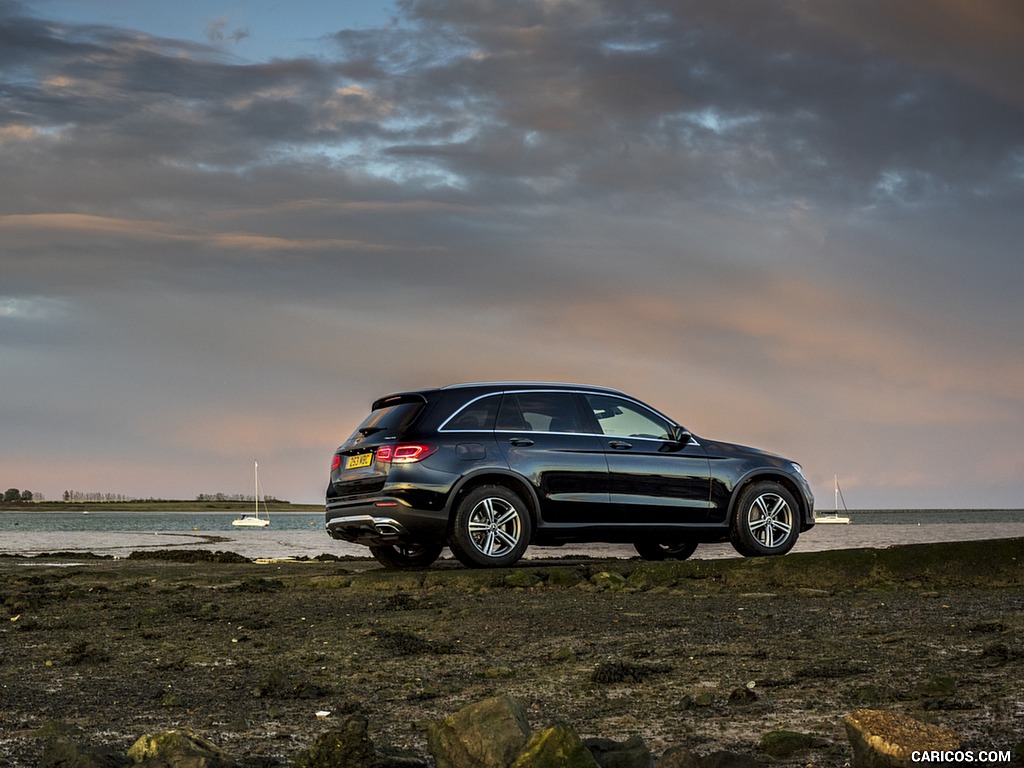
336,462
404,453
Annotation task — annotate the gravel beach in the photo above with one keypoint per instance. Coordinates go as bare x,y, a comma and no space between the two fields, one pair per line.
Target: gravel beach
261,658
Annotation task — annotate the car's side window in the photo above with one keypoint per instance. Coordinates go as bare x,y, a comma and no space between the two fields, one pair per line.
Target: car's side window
539,412
622,418
478,415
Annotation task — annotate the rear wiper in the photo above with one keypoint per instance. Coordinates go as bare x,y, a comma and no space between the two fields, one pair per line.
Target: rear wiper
367,431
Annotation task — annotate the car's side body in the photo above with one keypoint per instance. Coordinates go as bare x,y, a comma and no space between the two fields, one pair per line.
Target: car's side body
555,446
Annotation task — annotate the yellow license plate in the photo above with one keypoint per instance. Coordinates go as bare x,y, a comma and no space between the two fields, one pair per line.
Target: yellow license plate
362,460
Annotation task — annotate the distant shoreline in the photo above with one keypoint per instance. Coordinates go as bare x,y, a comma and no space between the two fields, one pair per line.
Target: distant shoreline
162,505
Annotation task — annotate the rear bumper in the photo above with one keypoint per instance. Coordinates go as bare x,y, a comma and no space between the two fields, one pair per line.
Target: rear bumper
383,521
366,529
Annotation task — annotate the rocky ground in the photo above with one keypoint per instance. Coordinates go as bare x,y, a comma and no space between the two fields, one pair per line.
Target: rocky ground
707,654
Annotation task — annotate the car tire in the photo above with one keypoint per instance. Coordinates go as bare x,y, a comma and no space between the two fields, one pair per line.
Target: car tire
491,528
766,521
650,550
404,557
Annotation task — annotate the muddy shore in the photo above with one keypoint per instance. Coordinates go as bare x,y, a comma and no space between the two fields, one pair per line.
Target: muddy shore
707,654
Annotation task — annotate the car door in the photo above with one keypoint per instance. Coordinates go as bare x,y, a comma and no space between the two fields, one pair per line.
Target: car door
543,437
652,477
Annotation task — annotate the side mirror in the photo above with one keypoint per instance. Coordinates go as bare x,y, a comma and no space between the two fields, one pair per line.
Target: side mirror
681,435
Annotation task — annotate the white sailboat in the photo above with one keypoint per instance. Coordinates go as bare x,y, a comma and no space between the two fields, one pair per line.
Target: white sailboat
254,521
835,517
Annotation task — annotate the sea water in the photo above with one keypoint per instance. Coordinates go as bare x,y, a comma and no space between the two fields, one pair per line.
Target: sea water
302,534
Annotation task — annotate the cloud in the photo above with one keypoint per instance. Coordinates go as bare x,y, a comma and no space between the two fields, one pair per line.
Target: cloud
218,31
782,222
978,43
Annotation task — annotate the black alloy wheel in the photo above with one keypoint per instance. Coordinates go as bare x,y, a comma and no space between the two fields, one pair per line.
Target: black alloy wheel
491,529
679,550
403,557
766,521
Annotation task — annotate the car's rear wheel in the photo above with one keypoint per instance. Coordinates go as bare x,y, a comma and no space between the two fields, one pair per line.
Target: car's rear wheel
679,550
766,521
400,557
491,528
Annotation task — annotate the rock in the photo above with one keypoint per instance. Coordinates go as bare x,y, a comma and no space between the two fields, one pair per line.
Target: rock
522,578
619,671
177,749
496,673
677,757
555,747
565,577
780,744
868,694
742,695
938,687
884,739
467,580
389,581
347,746
728,760
63,748
632,753
563,653
608,580
236,724
83,652
702,700
396,758
651,576
488,734
996,654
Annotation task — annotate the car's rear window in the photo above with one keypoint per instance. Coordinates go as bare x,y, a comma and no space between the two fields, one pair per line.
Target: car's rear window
389,418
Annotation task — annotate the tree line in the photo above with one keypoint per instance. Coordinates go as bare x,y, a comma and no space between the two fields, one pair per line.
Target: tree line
13,494
232,497
92,496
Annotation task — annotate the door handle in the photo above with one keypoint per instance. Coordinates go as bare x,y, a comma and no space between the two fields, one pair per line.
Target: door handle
521,442
620,445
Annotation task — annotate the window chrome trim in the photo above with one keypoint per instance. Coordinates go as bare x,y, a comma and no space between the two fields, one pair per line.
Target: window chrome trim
444,423
542,389
547,390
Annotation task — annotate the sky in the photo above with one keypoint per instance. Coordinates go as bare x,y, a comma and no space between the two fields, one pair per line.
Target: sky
225,229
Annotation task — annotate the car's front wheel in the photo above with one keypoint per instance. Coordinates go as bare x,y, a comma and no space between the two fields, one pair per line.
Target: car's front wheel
491,528
679,550
402,557
766,521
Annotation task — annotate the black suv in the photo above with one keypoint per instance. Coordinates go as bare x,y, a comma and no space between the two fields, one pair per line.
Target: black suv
488,469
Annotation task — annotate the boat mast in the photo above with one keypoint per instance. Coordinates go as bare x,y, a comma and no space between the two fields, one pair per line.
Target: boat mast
256,473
